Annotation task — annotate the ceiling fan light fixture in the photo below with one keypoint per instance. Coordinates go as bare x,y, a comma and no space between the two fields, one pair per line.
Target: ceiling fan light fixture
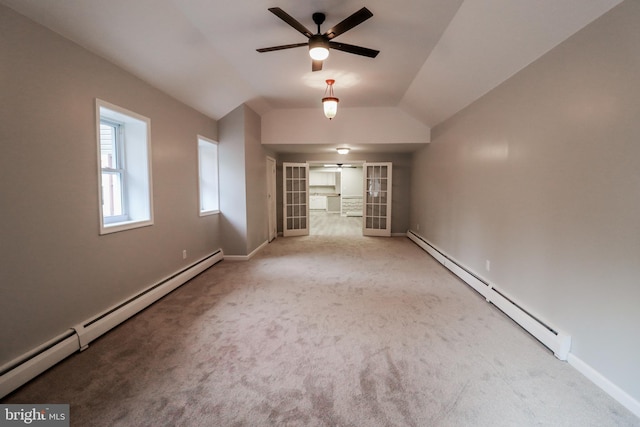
342,150
330,103
318,48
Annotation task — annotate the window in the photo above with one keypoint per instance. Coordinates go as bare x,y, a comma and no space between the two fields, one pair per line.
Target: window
113,176
124,174
208,176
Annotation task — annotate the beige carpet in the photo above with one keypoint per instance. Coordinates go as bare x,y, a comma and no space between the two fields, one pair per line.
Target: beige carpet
323,331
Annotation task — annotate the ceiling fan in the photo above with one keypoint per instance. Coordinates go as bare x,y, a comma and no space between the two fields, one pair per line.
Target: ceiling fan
339,165
319,44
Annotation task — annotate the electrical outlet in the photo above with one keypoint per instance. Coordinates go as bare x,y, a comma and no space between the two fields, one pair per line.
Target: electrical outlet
488,265
184,254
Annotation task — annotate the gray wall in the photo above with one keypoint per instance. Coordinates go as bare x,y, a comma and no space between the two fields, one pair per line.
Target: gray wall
401,180
243,186
233,201
56,269
256,173
541,177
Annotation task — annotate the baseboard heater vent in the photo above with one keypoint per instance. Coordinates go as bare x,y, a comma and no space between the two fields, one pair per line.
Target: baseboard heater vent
556,341
28,366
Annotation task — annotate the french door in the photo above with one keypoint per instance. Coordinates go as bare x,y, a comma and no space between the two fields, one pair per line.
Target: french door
376,220
295,181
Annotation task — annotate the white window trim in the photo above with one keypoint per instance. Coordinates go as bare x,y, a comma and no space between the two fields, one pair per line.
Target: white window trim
118,114
210,211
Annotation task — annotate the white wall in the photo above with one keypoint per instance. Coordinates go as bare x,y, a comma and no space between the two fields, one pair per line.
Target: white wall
541,177
350,126
352,182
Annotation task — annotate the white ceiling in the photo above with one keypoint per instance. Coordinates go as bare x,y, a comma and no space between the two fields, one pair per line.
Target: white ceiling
437,56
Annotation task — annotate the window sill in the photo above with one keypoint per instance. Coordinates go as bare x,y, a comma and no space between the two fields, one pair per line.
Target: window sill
208,213
125,225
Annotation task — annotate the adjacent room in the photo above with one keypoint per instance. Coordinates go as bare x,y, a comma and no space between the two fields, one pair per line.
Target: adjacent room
422,212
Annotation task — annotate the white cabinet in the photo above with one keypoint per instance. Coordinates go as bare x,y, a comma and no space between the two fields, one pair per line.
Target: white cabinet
330,178
318,202
322,178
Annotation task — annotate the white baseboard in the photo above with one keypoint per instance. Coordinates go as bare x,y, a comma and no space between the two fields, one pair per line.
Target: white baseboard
560,345
37,364
551,337
601,381
245,257
26,367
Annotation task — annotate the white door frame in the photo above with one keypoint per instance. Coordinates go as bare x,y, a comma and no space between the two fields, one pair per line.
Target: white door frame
271,198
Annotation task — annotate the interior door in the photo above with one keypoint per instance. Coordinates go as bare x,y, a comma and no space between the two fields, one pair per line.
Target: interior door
295,213
271,197
376,220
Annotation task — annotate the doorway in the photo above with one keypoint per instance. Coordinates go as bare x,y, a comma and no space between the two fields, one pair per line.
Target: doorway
335,199
309,199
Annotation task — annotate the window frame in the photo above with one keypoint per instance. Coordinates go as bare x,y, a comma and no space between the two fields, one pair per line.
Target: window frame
207,143
133,143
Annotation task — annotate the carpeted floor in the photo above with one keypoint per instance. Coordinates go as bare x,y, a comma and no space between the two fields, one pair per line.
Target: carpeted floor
323,331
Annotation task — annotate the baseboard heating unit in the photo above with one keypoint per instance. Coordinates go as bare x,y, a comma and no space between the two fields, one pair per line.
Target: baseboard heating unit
556,341
77,338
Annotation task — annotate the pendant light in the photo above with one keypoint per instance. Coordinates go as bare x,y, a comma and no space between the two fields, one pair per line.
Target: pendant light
330,102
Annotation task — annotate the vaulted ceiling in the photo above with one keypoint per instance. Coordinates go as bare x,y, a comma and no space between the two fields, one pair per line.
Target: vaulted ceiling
436,56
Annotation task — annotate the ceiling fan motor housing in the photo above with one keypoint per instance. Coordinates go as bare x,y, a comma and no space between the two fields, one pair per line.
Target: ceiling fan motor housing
318,18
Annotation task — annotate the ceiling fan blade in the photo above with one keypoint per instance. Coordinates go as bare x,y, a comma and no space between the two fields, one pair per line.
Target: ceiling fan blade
358,50
316,65
285,46
290,20
355,19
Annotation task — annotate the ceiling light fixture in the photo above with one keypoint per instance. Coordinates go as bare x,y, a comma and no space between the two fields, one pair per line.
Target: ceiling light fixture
330,102
343,150
318,48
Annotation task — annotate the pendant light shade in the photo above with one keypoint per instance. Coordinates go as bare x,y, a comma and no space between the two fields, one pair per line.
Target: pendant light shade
330,102
330,107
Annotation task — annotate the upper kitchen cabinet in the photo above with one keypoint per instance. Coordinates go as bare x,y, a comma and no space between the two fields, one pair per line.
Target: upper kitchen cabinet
317,178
